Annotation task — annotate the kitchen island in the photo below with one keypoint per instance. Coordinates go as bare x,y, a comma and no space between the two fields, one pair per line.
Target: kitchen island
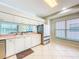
18,43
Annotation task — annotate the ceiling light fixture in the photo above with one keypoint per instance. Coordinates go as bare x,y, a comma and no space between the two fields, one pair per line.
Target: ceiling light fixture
65,11
64,8
51,3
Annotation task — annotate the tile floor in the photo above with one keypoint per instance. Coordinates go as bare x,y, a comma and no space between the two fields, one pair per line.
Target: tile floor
55,51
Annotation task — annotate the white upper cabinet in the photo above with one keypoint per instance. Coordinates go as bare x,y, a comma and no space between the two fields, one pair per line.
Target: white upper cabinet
46,30
6,17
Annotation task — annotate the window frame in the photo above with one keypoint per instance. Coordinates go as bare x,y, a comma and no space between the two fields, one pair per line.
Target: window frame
60,29
65,29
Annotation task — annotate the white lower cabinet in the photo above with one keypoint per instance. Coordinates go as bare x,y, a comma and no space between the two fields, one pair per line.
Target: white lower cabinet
33,41
36,40
10,47
14,46
19,45
28,42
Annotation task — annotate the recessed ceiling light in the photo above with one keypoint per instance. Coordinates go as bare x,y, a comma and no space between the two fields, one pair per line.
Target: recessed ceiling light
64,8
65,11
51,3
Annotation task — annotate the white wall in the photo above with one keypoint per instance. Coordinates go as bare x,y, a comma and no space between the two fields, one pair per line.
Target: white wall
11,15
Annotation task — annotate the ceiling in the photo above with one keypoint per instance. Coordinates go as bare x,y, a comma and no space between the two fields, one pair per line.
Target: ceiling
39,7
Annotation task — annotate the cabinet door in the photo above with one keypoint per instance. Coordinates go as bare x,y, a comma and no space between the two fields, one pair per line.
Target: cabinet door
28,43
10,47
35,40
38,39
19,44
46,30
2,49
